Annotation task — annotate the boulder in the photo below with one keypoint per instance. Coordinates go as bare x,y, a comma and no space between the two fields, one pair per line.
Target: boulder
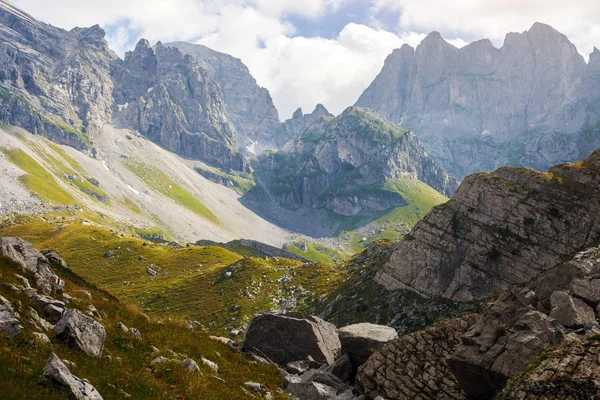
54,258
571,312
211,364
311,391
286,337
82,332
323,377
41,338
9,322
298,367
55,309
58,373
190,364
499,346
587,290
159,360
25,254
360,341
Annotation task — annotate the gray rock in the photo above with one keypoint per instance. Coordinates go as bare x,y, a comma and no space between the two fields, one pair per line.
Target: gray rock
249,106
55,258
255,387
587,290
341,368
154,82
298,367
55,309
311,391
500,229
25,254
287,337
190,364
529,103
299,122
58,373
324,377
211,364
82,332
506,338
360,341
159,360
41,337
9,322
571,312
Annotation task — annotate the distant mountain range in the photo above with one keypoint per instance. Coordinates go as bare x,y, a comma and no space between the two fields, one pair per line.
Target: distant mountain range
534,102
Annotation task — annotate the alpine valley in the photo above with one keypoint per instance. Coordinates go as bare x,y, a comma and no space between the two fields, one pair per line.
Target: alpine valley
164,235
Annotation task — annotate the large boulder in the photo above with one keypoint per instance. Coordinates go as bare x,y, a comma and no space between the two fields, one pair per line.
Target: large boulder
360,341
82,332
587,290
312,391
9,322
58,373
25,254
509,335
286,337
571,312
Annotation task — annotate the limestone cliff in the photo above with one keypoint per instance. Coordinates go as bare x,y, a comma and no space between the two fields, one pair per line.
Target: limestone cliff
530,103
499,229
54,82
172,100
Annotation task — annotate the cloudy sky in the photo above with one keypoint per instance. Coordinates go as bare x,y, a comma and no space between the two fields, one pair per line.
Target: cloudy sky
317,51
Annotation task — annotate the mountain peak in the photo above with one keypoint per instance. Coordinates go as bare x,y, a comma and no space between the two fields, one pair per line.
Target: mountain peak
320,111
594,62
298,113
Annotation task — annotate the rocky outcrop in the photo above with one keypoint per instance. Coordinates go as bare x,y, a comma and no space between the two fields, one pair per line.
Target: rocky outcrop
58,373
572,371
172,100
530,103
82,332
360,341
499,229
299,122
344,167
24,254
508,336
249,106
9,319
54,82
262,248
288,337
414,366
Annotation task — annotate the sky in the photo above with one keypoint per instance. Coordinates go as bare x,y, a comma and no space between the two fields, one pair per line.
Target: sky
317,51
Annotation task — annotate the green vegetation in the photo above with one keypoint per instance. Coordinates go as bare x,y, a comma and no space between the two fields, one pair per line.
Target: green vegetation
420,199
162,183
38,180
315,252
218,287
152,234
22,359
131,205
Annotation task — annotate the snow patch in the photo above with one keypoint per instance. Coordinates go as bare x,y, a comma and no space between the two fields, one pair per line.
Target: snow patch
105,166
485,132
252,148
150,89
137,193
123,106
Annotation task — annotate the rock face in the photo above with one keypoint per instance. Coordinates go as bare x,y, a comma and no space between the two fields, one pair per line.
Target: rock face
509,335
9,322
414,366
531,103
58,373
24,254
290,337
503,228
359,341
82,332
249,106
572,371
299,122
53,82
172,100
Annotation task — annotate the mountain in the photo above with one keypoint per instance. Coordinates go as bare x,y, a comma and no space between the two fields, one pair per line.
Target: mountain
531,103
299,122
54,82
499,229
249,106
351,167
172,100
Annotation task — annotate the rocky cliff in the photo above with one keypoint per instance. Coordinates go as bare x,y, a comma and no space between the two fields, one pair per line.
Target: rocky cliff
298,123
249,106
350,166
172,100
530,103
499,229
54,82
